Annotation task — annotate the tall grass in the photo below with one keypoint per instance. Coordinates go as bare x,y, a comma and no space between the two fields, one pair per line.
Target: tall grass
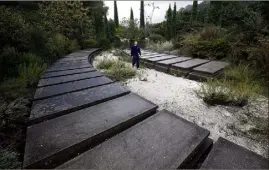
161,46
237,87
105,64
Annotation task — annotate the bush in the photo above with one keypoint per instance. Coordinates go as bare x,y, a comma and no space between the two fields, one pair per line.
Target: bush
156,38
9,61
104,44
117,43
9,159
120,71
29,58
237,87
161,47
105,64
72,46
91,43
29,75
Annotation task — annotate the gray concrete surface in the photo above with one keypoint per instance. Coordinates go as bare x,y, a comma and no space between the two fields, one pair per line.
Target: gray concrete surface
76,132
165,57
189,64
211,67
48,91
68,78
59,105
162,141
228,155
173,61
67,72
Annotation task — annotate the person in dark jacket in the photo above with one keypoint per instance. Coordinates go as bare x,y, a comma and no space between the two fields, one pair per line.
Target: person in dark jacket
135,53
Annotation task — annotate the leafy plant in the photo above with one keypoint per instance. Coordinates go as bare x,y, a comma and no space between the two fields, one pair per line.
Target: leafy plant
29,75
105,64
8,159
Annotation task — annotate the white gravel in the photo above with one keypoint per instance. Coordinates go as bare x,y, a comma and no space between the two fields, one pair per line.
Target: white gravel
178,96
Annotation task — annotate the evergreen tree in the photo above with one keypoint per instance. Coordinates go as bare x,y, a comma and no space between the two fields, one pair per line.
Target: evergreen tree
174,19
132,19
169,20
116,17
142,17
194,10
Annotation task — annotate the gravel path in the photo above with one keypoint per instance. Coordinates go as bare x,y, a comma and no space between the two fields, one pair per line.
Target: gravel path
178,95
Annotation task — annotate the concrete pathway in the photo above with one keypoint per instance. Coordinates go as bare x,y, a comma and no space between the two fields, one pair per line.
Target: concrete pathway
81,119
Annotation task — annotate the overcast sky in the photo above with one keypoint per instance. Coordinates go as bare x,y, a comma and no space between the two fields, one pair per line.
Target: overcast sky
158,15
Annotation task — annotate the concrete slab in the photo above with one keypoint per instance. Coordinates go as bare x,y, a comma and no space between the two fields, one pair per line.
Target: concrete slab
211,67
59,105
187,65
228,155
69,67
173,61
68,78
56,140
49,91
82,61
67,72
161,68
73,59
151,55
80,54
165,57
162,141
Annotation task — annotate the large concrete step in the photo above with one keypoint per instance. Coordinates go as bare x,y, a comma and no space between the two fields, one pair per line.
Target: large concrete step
53,142
55,69
54,90
68,78
67,72
228,155
66,103
162,141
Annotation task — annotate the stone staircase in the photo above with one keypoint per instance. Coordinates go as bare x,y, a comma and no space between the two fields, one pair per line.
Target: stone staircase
80,119
191,68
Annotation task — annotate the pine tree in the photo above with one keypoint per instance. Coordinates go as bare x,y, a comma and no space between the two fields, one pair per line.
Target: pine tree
174,19
169,20
194,10
142,17
132,18
116,18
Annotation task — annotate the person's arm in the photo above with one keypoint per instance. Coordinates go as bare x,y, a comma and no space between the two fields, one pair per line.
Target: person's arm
139,51
131,51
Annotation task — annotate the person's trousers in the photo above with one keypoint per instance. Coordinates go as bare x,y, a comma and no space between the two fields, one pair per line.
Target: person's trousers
136,61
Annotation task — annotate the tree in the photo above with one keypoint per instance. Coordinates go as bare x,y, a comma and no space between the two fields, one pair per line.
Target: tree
174,19
169,20
132,18
142,17
194,10
116,17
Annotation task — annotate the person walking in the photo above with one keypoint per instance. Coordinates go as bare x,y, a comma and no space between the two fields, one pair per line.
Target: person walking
135,53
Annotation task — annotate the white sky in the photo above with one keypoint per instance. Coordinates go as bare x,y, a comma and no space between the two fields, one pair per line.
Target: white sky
158,15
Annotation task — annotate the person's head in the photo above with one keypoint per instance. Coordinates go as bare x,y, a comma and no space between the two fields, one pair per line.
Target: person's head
135,43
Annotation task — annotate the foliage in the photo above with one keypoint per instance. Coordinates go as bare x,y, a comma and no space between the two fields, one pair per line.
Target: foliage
169,23
161,46
120,71
105,64
237,87
156,38
174,20
104,43
8,159
142,17
91,43
30,74
128,30
194,10
116,18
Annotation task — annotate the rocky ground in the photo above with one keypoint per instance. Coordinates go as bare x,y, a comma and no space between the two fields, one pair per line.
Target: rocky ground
241,125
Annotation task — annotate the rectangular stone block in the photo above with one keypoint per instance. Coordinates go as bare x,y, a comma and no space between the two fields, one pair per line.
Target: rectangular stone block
228,155
173,61
51,142
59,105
189,64
68,59
211,67
152,56
83,61
166,57
49,91
161,68
162,141
80,54
67,72
66,79
69,67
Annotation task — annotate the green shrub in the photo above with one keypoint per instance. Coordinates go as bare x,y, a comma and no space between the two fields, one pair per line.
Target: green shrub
105,64
161,46
104,44
9,159
91,43
120,71
156,38
9,61
29,75
117,43
31,58
237,87
72,46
